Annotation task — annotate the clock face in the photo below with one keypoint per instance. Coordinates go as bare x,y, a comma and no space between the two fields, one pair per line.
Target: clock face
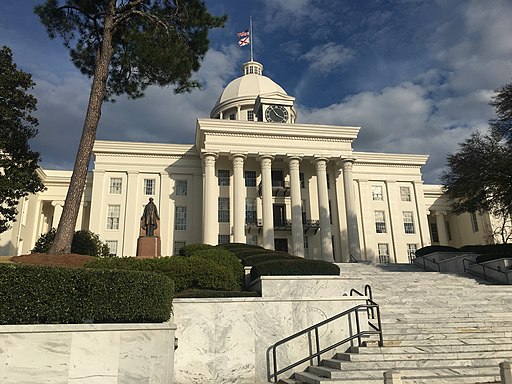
276,114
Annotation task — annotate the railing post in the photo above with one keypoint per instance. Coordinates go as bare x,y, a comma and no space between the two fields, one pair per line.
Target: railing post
506,372
392,377
274,355
317,344
358,329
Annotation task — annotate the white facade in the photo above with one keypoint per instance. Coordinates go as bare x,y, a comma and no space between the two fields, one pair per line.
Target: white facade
255,175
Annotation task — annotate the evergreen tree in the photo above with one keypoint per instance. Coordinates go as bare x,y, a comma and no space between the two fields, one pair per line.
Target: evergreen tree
18,164
125,46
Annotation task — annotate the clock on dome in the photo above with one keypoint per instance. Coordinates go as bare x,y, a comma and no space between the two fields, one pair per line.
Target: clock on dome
276,114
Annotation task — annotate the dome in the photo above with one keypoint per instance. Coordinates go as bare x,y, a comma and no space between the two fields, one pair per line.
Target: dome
245,89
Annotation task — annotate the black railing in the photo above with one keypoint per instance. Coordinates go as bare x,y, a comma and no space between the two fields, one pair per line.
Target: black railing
469,264
422,260
352,259
372,310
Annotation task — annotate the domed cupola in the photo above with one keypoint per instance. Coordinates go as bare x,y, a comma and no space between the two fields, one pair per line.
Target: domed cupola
248,97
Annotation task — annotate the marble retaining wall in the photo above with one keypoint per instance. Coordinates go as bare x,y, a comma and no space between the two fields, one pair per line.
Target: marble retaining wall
87,353
226,340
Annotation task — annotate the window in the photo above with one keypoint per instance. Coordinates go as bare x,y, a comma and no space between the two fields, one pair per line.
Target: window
112,247
250,178
277,178
223,239
250,211
328,182
113,212
405,193
411,251
474,221
149,186
303,207
223,213
377,192
232,116
116,184
330,212
408,222
448,230
180,218
177,246
252,239
434,235
380,222
250,115
223,177
306,247
383,253
181,188
301,178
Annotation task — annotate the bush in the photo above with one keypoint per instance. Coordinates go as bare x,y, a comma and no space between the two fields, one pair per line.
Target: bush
489,256
84,242
225,258
268,256
189,250
504,249
46,295
292,267
435,248
186,272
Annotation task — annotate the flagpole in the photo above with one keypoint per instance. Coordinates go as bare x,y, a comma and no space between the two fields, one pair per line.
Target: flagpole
251,37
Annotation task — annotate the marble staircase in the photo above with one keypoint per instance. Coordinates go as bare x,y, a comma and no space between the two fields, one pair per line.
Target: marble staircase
438,329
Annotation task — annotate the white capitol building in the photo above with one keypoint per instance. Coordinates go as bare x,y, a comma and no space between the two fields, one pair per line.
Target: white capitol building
255,175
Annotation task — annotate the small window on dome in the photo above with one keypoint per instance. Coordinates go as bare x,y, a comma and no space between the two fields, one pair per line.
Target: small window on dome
251,69
250,115
232,116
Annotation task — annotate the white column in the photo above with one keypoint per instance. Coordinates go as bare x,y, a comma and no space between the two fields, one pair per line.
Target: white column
239,198
164,209
210,195
422,213
57,212
133,209
296,201
392,377
266,196
97,219
441,227
350,201
196,197
323,208
506,372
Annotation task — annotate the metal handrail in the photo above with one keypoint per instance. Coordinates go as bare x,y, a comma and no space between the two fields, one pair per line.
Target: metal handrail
370,306
484,267
352,259
423,258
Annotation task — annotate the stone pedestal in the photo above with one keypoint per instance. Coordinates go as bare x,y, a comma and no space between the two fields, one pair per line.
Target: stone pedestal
149,246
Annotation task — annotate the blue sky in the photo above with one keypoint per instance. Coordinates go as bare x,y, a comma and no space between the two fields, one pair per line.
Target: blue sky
415,75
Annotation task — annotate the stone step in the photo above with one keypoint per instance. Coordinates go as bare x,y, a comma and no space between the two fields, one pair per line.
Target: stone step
310,378
398,324
374,357
416,372
465,337
398,363
442,342
431,317
430,329
425,348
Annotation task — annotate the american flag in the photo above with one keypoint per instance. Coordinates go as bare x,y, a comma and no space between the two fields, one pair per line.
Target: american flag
243,33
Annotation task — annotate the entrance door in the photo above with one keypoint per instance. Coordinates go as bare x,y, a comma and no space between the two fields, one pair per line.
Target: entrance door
279,215
281,245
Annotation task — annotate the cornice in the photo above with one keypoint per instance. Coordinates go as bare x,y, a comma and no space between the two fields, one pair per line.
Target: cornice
102,148
279,137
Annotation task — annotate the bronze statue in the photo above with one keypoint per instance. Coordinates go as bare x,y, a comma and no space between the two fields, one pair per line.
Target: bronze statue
149,218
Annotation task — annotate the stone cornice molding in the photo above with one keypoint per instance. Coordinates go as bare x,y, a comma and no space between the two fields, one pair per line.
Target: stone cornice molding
115,148
280,137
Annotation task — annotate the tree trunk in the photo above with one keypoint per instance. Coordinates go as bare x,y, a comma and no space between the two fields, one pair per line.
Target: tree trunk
67,223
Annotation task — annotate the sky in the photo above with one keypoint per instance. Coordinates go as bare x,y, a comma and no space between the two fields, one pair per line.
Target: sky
416,75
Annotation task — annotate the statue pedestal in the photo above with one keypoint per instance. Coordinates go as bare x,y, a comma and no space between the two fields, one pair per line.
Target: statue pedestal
149,246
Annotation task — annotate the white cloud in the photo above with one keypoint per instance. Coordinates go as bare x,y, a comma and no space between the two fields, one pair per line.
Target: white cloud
328,57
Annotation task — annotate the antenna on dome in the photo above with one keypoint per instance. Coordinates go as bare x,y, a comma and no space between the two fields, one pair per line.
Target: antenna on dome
251,37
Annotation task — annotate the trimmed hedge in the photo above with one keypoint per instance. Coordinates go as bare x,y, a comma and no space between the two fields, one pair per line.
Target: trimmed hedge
268,256
435,248
47,295
186,272
489,256
189,250
504,249
292,267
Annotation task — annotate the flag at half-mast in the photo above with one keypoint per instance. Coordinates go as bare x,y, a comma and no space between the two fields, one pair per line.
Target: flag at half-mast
244,38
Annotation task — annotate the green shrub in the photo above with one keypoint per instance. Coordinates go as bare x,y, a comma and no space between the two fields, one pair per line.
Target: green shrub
46,295
435,248
84,242
223,257
292,267
267,256
186,272
189,250
231,246
489,256
504,249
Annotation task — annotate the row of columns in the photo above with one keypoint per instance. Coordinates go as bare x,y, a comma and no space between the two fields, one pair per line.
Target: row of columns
210,203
